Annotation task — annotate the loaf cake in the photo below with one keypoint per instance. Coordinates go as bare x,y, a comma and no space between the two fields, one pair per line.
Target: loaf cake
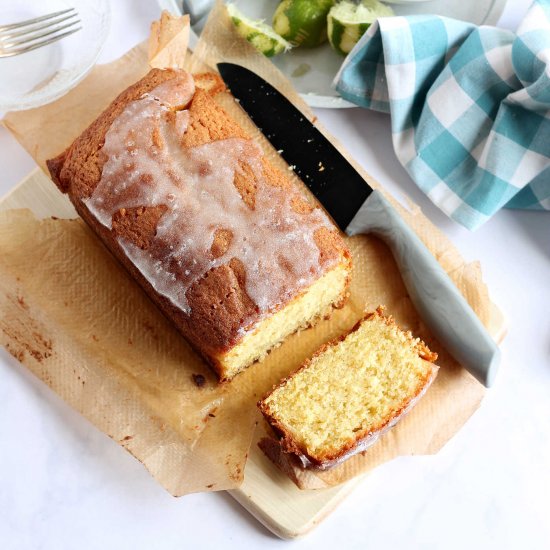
350,392
224,243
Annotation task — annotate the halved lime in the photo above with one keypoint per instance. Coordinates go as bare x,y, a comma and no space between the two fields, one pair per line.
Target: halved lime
348,21
258,33
302,22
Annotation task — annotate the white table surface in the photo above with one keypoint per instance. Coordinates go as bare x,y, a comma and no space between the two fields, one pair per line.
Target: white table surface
63,484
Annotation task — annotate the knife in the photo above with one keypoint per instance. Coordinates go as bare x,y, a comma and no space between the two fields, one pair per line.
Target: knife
359,209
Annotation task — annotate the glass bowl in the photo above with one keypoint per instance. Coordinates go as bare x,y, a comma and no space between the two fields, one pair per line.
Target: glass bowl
45,74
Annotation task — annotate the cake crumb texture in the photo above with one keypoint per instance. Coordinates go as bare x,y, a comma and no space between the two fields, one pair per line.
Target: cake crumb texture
349,390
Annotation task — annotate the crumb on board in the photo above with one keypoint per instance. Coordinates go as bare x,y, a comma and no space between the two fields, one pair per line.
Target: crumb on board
199,380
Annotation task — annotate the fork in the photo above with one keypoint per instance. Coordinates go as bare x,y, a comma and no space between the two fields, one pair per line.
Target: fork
28,35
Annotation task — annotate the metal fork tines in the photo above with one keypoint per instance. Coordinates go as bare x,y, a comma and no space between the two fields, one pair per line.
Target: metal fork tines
25,36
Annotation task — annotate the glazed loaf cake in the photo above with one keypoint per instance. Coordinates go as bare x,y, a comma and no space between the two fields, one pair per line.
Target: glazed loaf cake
349,393
223,242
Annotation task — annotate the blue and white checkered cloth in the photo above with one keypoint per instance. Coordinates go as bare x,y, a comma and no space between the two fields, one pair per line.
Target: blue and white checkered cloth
470,107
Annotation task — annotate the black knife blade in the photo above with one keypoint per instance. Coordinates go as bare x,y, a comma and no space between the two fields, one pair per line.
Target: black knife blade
315,160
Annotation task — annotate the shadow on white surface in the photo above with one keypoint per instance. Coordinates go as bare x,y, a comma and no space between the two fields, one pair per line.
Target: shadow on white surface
244,516
535,226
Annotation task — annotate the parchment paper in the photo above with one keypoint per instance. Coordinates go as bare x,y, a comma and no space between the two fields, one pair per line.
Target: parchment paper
72,315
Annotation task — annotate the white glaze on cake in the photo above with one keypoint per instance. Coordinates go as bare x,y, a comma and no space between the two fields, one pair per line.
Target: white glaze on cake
146,166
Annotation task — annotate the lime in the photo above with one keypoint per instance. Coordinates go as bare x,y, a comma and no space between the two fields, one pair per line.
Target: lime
302,22
258,33
348,21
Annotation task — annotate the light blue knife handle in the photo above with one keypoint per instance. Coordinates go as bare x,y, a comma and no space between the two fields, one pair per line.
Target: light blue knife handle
436,298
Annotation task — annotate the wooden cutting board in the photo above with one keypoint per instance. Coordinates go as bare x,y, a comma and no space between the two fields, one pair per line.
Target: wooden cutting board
266,493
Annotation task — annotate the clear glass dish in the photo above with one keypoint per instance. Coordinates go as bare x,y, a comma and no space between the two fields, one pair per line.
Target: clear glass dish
45,74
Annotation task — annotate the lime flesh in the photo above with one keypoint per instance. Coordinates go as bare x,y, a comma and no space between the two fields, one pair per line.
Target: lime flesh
348,21
302,22
258,33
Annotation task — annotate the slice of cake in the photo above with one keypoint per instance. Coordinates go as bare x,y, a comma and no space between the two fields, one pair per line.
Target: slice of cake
350,392
223,242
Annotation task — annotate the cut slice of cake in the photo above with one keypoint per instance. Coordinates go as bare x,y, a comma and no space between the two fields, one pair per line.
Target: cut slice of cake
350,392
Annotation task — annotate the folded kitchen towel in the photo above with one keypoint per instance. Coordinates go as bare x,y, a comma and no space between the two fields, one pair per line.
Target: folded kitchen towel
470,107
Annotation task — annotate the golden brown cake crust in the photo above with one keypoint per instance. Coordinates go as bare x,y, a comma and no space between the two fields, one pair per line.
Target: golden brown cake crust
218,301
287,442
